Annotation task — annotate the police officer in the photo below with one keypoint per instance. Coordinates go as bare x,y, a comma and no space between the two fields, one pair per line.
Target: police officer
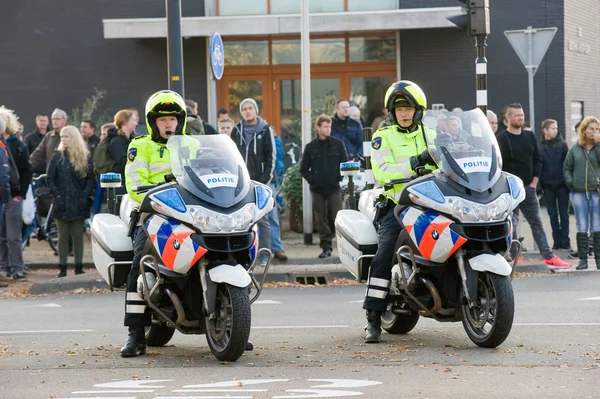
148,161
397,151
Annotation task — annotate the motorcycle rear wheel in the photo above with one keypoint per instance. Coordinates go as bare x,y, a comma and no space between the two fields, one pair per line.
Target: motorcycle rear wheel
489,323
399,323
227,334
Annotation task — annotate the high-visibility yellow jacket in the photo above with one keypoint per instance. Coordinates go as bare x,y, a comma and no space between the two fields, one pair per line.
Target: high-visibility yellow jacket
390,154
147,163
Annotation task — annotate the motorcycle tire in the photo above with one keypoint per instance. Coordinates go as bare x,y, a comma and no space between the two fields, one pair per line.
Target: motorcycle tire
157,335
228,333
497,312
399,323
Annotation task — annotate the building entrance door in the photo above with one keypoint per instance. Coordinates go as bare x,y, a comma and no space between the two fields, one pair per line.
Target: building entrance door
236,88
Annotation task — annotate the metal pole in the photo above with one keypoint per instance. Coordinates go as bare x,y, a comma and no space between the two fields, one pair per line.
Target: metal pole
367,137
481,73
175,46
306,118
530,73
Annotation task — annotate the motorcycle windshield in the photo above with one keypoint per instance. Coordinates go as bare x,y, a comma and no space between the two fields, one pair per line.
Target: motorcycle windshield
210,167
464,147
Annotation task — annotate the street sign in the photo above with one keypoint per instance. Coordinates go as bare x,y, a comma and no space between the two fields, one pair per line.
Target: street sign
531,44
217,56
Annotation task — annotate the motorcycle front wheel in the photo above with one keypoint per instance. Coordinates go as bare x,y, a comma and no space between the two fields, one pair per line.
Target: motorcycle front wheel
227,333
489,322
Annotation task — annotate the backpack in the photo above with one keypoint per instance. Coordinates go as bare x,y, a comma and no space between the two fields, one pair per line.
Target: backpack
103,163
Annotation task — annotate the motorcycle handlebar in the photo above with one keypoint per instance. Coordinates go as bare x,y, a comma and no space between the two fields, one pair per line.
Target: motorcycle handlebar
389,184
141,189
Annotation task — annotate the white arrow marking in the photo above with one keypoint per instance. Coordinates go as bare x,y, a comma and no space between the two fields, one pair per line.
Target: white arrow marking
594,298
318,393
266,302
236,383
358,301
132,384
114,391
337,383
202,397
555,324
44,305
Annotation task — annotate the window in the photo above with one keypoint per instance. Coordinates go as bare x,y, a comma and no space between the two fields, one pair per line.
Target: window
576,117
371,49
293,6
242,7
371,5
286,52
246,53
327,51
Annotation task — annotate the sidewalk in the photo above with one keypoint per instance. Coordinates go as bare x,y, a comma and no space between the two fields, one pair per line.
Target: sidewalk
303,265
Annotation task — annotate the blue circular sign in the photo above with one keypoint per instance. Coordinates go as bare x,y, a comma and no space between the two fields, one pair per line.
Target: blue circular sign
217,56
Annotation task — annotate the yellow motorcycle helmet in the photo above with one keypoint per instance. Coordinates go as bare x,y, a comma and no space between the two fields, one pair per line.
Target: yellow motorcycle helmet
408,94
165,103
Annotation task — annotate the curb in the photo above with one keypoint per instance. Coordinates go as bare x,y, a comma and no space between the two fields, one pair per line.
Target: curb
55,286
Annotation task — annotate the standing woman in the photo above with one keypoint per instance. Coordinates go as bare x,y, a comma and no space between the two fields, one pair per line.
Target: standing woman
70,177
582,172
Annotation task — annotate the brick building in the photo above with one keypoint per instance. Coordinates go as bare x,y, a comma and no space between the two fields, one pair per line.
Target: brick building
55,53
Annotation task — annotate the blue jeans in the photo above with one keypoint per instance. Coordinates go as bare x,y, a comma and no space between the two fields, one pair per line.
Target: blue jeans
276,244
586,210
530,209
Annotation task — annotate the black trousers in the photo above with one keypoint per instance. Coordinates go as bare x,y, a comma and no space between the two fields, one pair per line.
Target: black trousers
380,273
135,307
321,204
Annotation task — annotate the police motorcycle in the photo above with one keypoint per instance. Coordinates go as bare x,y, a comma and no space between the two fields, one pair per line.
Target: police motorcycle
449,263
197,273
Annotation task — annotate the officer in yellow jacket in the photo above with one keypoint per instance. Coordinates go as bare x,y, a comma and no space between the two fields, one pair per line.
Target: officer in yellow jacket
148,161
396,151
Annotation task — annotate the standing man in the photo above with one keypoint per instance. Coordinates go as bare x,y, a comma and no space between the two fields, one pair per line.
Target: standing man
397,151
521,157
347,129
44,152
195,124
321,169
254,139
33,139
11,252
88,130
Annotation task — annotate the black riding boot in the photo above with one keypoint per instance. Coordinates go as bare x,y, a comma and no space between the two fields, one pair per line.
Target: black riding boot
136,343
63,271
596,237
79,269
373,328
582,248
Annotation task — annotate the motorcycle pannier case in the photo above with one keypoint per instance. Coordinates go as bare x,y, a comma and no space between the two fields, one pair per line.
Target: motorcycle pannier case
112,249
356,242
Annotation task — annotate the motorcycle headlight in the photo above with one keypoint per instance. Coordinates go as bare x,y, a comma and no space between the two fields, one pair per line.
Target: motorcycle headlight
468,211
213,222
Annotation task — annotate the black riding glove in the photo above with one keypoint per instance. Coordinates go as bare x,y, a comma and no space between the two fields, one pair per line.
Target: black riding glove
421,160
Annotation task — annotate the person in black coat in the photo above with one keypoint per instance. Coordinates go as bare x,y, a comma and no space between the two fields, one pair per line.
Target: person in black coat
553,151
71,179
321,169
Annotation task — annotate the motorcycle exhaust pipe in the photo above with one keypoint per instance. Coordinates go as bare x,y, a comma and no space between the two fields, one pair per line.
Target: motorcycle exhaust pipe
437,300
178,306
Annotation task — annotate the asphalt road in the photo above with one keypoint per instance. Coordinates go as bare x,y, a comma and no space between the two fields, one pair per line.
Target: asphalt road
308,344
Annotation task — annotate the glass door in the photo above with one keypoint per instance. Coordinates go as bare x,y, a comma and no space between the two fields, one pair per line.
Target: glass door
324,94
236,88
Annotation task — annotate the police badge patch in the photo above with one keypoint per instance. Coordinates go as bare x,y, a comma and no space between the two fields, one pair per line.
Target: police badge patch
376,143
131,154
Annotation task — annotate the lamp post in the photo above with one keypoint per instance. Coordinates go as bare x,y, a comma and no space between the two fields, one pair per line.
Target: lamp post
306,117
174,46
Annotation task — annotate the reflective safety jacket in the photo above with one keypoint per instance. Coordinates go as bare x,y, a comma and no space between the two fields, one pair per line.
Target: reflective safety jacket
147,163
390,154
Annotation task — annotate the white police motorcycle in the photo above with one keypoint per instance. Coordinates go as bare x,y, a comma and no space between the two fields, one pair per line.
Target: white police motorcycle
449,263
197,270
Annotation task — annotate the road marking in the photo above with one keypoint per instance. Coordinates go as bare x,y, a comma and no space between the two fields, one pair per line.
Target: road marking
554,324
202,397
45,305
115,391
266,302
594,298
358,301
286,327
43,332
